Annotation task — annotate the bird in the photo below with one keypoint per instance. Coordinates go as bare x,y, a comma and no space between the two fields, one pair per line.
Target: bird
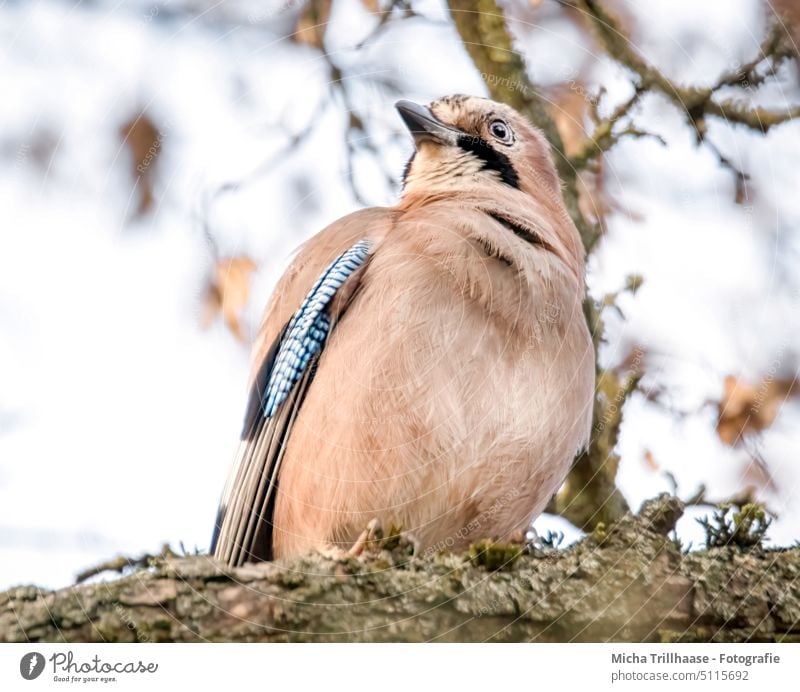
426,365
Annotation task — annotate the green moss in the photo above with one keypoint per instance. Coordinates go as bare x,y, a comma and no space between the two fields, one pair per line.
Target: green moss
750,525
577,594
494,556
292,579
787,638
673,637
600,535
746,528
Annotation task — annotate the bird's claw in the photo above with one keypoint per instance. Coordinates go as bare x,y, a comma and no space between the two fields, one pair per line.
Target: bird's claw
370,535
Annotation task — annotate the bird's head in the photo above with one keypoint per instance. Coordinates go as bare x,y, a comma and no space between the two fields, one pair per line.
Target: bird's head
464,143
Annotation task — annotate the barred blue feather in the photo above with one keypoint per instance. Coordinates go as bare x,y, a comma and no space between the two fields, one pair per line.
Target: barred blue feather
309,327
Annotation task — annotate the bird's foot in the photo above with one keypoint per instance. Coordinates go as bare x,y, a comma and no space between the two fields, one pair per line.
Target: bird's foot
374,539
397,540
520,537
365,542
368,538
535,543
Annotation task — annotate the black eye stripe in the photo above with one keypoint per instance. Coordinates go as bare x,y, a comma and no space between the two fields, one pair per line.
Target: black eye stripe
492,160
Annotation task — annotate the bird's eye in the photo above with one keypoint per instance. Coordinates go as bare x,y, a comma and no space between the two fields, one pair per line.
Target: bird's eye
499,130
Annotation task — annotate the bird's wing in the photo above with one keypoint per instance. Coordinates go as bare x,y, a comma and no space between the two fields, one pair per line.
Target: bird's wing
285,369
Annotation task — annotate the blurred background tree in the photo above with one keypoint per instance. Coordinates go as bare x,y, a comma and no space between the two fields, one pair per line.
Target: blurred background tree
159,161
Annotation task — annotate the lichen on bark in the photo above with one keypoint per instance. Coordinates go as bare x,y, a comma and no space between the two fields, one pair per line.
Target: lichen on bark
627,582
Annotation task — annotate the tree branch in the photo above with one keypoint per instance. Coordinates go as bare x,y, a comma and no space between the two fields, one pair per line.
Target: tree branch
627,583
697,102
604,137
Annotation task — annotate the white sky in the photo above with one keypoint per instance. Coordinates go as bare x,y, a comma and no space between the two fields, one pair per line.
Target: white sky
119,414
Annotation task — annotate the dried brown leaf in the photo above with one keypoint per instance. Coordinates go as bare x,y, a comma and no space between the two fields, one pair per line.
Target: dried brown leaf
143,141
569,110
650,460
312,23
227,293
745,409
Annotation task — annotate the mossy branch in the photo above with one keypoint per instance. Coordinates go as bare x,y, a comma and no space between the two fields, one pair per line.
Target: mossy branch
626,582
699,102
606,135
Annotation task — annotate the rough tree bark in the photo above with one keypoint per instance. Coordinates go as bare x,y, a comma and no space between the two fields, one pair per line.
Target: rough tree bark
627,583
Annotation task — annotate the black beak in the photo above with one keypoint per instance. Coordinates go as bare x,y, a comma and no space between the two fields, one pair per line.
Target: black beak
422,124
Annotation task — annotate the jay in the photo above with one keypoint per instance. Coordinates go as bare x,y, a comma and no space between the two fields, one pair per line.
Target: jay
425,365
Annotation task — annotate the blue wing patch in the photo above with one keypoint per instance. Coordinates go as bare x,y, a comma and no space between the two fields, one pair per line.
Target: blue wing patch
309,327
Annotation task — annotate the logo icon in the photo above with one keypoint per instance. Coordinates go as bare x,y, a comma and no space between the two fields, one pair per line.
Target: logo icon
31,665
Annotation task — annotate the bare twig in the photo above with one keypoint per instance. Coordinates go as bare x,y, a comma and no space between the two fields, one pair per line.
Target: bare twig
387,17
605,137
355,129
697,102
262,169
123,562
